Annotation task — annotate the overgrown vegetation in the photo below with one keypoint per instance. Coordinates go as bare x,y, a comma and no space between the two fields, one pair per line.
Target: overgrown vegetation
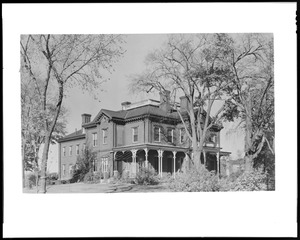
146,176
201,180
195,180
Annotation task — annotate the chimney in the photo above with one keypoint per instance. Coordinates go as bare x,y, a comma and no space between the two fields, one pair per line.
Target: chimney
125,105
183,103
86,118
165,101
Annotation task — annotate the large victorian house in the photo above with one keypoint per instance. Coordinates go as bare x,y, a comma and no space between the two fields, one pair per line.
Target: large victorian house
148,133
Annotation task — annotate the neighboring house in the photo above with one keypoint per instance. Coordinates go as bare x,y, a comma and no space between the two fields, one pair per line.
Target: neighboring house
148,133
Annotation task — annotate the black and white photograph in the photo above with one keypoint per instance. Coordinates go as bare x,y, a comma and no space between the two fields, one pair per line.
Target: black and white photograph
206,88
141,133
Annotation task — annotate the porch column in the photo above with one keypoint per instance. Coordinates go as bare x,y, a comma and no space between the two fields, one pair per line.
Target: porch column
160,155
174,161
146,157
134,162
184,162
204,157
115,169
218,164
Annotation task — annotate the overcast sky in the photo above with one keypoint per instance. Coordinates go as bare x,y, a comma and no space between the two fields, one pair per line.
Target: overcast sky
115,91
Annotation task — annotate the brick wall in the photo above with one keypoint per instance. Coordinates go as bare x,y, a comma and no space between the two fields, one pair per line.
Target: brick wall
68,160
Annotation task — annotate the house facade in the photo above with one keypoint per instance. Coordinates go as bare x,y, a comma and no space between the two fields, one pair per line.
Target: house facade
149,133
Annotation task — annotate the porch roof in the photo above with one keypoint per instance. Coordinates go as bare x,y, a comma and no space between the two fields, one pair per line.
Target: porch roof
151,146
155,146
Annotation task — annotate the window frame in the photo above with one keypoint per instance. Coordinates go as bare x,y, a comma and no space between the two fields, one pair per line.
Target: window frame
104,164
70,169
64,169
70,150
133,134
159,133
104,135
170,136
77,149
95,139
181,135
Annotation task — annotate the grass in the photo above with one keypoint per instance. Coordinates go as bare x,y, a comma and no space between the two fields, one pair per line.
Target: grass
100,188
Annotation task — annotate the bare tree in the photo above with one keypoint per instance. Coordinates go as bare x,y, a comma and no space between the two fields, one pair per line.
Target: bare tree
57,62
252,91
195,66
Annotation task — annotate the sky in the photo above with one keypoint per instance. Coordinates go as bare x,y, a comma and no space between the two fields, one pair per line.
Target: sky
115,91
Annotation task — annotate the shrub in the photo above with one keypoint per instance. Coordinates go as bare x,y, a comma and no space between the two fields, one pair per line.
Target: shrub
88,178
195,180
30,180
250,181
84,165
146,176
93,177
53,176
125,175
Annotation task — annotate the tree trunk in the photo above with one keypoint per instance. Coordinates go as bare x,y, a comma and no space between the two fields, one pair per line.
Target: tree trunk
196,156
48,136
23,163
44,163
248,138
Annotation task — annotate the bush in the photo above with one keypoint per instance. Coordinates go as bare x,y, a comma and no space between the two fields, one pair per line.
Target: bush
146,176
88,178
83,166
195,180
30,180
250,181
93,177
53,176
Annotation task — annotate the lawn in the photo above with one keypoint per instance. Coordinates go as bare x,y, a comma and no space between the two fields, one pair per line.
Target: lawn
101,188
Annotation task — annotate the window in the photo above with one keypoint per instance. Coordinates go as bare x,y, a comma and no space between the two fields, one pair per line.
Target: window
181,133
104,131
157,134
70,169
64,169
64,151
95,138
170,135
77,149
134,134
83,147
104,164
96,168
70,151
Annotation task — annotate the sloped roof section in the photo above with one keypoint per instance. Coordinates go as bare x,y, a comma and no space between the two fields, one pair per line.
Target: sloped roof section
72,136
138,112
